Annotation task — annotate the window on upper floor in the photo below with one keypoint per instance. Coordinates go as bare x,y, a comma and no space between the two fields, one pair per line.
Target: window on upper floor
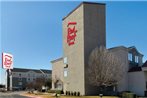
130,56
19,83
28,79
20,79
19,75
65,72
65,60
136,59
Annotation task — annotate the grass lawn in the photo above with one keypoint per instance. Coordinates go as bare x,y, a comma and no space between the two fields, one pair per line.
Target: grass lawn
50,96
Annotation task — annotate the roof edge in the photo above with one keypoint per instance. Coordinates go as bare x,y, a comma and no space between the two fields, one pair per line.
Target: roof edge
117,47
28,69
57,60
145,64
131,47
84,2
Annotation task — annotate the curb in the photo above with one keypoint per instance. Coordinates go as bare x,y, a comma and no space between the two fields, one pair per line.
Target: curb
30,96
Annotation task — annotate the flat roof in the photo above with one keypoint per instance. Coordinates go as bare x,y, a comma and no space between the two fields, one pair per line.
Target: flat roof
35,70
57,60
117,47
80,5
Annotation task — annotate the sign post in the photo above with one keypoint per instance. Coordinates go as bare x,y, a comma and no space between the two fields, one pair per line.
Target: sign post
7,63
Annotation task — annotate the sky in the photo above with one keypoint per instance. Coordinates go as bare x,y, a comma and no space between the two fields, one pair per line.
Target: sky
32,30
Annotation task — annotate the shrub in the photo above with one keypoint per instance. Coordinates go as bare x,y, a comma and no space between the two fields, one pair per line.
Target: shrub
66,93
120,94
56,91
59,92
51,91
128,95
75,94
78,93
71,93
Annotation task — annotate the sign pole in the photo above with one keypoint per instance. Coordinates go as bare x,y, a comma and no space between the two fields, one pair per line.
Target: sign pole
8,80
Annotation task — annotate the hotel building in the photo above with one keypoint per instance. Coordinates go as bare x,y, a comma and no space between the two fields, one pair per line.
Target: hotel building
84,29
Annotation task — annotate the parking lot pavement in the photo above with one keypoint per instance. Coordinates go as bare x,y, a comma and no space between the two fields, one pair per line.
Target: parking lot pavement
12,96
15,94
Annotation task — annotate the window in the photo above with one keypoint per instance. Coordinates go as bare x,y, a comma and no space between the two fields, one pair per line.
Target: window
20,79
136,59
130,56
28,79
19,75
65,60
20,83
65,72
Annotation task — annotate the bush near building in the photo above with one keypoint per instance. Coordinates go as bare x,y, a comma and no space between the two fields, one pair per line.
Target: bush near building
39,83
56,91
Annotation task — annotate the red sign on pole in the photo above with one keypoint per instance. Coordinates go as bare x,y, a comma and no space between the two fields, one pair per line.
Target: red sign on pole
71,33
7,61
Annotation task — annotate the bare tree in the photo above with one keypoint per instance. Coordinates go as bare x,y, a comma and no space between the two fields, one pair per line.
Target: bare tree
30,85
104,69
55,78
39,82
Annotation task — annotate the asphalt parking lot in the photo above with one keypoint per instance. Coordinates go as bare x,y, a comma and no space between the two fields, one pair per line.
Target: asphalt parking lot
12,95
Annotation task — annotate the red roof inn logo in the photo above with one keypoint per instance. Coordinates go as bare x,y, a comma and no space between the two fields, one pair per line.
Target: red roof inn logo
71,33
7,61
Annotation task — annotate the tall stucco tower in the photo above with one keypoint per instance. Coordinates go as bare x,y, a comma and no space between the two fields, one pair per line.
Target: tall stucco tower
83,30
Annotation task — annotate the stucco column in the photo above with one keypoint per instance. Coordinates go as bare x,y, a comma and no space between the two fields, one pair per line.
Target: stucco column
53,86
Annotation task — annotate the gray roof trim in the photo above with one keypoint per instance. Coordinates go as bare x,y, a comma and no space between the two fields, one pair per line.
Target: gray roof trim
133,47
46,71
127,48
80,5
118,47
27,70
53,61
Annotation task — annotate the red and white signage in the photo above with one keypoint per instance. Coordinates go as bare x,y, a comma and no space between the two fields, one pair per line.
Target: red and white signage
71,33
7,61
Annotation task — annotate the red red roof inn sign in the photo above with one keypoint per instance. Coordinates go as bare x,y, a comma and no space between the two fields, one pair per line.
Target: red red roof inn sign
7,61
71,33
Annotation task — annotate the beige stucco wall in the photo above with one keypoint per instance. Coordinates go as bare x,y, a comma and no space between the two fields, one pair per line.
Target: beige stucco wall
90,27
74,53
122,53
90,19
137,82
57,70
